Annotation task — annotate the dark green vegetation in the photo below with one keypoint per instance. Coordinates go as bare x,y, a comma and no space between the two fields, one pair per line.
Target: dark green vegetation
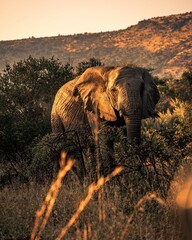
161,43
26,94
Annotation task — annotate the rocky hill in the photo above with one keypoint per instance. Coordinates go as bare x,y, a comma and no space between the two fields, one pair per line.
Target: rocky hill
162,43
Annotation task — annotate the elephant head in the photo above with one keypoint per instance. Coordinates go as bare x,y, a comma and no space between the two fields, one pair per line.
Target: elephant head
119,92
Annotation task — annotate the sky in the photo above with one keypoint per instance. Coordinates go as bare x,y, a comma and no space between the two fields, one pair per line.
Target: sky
41,18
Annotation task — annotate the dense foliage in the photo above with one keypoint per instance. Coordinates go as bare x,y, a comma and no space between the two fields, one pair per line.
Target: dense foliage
82,66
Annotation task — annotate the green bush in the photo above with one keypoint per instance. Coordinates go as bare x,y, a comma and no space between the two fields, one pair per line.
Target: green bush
181,88
27,90
46,154
166,141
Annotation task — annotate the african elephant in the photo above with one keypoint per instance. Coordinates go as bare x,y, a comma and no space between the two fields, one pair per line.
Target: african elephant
101,96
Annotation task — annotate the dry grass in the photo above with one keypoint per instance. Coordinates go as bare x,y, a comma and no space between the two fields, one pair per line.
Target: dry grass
94,187
126,216
43,214
147,197
150,220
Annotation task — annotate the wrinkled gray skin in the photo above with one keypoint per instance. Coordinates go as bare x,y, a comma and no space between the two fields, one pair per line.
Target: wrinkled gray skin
101,96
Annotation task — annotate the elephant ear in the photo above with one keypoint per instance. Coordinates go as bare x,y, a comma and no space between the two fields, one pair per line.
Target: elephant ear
150,95
91,86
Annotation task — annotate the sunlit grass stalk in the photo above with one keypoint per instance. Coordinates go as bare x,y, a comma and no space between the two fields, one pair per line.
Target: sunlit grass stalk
85,233
94,187
100,193
43,214
147,197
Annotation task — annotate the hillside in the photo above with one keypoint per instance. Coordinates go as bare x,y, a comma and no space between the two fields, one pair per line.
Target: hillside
162,43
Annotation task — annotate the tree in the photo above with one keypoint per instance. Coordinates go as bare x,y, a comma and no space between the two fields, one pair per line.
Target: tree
27,90
182,87
82,66
187,75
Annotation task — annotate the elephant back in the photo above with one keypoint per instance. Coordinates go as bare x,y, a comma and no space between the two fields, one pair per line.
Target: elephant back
68,108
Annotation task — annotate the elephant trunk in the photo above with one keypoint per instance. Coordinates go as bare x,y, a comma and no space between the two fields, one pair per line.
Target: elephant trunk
130,109
133,126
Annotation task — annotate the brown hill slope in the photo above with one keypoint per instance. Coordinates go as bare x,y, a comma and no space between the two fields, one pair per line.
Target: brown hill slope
161,43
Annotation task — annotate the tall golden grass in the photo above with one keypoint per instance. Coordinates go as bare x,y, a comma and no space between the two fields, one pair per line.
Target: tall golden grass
43,214
94,187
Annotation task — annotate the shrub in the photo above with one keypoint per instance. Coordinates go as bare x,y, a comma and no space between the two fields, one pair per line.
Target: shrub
166,140
46,155
181,88
27,90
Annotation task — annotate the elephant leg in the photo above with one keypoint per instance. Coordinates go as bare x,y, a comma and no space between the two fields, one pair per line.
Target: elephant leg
104,142
57,129
90,162
79,166
56,166
106,148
